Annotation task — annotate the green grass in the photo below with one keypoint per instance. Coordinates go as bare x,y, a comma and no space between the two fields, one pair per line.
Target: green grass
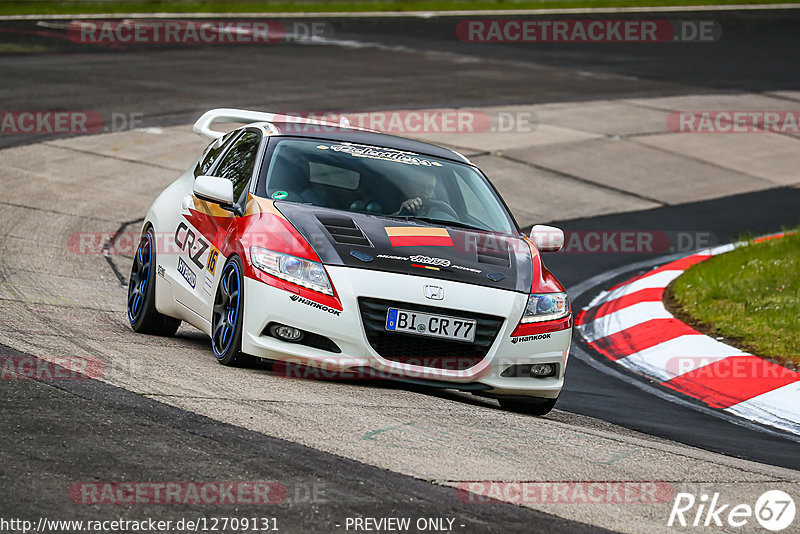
750,296
194,6
22,48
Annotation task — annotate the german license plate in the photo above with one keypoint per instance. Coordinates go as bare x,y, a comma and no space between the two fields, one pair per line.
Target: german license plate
427,324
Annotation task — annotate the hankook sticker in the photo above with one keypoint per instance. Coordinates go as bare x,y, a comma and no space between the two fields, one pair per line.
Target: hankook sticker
308,302
535,337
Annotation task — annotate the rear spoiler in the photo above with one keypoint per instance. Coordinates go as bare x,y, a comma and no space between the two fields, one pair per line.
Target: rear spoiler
243,116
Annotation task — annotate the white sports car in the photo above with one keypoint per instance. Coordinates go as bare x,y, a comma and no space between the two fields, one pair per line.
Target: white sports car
327,247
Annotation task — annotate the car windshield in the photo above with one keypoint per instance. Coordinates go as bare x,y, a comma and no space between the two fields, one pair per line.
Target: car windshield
382,181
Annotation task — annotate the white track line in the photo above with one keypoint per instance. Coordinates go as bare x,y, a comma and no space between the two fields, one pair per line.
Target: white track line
753,414
671,358
661,361
623,319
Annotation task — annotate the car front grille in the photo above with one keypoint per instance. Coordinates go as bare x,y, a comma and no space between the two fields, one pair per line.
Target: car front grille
427,351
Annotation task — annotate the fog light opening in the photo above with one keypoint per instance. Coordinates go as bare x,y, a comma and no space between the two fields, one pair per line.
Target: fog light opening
286,333
539,370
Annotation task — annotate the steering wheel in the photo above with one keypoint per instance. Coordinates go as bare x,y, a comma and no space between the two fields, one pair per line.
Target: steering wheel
431,206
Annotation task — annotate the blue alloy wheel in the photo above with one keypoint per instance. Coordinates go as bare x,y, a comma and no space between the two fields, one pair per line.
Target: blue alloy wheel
227,305
140,277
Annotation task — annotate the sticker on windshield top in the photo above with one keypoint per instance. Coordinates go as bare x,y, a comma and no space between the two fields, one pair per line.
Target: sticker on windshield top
280,195
386,154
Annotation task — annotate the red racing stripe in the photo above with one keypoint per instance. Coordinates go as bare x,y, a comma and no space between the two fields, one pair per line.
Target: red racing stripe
643,295
732,380
678,265
681,264
420,241
652,294
769,237
642,336
626,282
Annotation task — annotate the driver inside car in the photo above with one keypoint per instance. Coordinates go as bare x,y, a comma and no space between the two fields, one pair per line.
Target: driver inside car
423,187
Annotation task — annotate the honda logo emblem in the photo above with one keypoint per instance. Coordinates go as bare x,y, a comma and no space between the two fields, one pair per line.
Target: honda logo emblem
434,292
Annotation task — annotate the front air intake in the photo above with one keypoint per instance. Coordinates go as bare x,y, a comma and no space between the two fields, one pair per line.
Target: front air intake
499,256
344,230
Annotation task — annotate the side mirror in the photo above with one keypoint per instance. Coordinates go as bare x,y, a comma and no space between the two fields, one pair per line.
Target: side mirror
547,238
214,189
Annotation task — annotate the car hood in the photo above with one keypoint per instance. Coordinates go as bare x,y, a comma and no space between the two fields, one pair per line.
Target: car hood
386,244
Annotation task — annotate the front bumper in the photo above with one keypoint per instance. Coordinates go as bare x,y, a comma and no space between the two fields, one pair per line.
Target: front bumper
265,304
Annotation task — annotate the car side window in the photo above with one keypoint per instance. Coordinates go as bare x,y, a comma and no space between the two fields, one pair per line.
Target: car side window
239,162
212,153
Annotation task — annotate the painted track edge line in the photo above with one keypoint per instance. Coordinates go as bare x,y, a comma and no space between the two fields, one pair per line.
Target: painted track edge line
757,402
641,382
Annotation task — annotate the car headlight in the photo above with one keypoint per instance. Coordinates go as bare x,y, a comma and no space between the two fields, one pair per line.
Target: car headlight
546,307
306,273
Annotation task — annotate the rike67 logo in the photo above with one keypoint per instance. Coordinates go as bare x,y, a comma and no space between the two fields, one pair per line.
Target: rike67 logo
774,510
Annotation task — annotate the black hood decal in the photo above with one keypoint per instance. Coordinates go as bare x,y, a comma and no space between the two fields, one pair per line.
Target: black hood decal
384,244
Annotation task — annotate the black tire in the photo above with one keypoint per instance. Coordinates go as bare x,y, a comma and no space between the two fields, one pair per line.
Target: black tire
142,314
226,316
532,406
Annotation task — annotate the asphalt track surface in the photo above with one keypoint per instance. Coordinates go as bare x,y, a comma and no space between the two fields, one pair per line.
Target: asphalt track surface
173,86
104,426
757,52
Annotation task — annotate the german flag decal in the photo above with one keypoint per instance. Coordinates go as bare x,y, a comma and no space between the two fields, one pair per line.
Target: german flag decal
425,267
416,236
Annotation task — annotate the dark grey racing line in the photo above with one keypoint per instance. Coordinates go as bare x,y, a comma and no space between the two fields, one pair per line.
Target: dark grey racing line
90,431
165,86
